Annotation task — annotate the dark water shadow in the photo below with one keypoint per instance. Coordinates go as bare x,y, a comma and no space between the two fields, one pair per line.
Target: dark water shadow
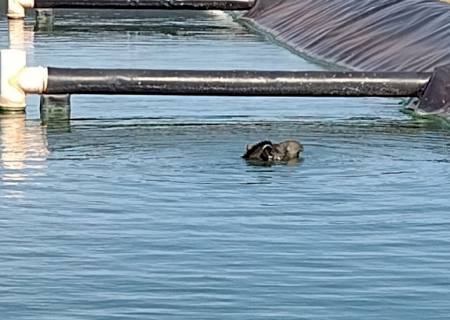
269,164
431,121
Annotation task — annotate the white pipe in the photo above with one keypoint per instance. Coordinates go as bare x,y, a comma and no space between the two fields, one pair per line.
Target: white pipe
33,80
11,63
21,35
16,80
16,8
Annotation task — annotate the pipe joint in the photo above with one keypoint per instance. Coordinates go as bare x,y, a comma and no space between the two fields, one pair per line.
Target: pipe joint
33,80
12,97
16,8
16,80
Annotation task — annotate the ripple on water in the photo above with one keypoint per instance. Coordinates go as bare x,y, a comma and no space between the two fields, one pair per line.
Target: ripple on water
142,208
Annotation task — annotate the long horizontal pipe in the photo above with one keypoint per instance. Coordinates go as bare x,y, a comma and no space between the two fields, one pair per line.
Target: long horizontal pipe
148,4
235,83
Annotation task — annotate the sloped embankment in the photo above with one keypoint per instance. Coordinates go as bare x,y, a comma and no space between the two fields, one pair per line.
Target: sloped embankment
388,35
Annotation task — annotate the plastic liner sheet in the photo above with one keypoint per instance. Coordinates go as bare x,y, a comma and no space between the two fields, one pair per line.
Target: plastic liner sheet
364,35
435,100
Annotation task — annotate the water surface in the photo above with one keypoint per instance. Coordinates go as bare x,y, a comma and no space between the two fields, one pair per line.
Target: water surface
141,207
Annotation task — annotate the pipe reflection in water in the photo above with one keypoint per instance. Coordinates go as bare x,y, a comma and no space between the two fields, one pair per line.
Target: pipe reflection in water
44,19
23,152
21,36
55,112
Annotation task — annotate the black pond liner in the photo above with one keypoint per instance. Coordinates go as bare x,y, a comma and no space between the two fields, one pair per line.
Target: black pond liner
367,35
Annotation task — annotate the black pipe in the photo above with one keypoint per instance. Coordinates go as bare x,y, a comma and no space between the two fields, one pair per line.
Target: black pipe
148,4
235,83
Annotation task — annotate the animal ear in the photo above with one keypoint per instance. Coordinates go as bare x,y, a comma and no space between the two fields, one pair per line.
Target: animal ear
248,147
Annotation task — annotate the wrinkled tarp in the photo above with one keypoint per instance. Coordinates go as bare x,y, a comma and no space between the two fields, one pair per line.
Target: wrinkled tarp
436,98
366,35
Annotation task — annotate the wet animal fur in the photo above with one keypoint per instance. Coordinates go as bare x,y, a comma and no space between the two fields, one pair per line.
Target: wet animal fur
271,152
260,151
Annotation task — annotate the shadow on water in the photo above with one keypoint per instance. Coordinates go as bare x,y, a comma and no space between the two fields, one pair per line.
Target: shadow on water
428,120
259,163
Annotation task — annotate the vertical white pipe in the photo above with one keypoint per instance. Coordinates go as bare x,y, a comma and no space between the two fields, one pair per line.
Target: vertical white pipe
12,97
21,35
16,8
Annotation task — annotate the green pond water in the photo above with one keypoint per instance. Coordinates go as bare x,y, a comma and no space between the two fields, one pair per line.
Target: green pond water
141,207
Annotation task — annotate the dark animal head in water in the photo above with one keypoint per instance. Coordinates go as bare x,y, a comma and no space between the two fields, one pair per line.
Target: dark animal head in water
270,152
261,151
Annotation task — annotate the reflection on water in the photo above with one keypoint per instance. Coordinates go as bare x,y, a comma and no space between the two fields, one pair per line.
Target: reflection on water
136,24
23,151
